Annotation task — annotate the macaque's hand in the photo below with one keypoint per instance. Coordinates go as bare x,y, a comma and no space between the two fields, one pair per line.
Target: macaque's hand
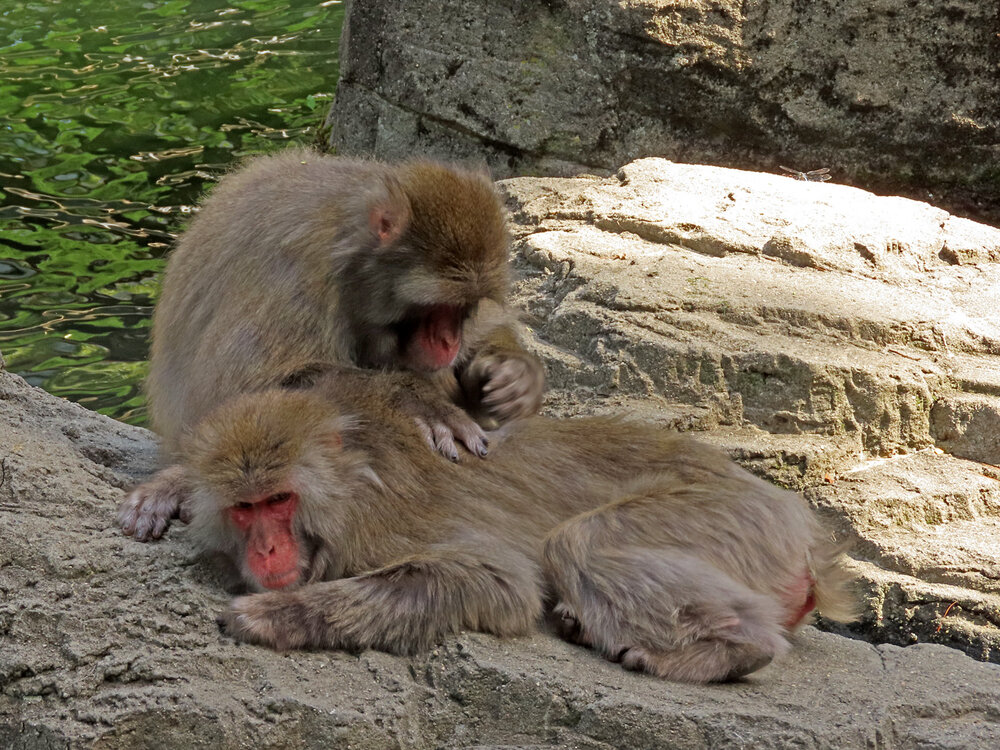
510,384
277,619
442,423
147,510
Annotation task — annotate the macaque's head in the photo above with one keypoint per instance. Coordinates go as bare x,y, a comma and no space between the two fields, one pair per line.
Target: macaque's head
268,469
440,248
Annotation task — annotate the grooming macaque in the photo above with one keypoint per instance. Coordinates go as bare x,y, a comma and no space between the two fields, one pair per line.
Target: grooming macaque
301,258
655,550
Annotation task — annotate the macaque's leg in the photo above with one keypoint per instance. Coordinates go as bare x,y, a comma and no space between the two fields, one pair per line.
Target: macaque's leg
147,510
663,609
401,608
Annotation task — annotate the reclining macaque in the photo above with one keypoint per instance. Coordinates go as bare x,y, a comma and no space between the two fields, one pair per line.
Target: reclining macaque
656,550
298,258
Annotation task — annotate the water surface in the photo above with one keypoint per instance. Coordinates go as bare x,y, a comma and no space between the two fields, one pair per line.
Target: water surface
115,115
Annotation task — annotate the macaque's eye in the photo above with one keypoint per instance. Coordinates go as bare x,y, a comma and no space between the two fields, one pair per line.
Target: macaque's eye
243,506
279,498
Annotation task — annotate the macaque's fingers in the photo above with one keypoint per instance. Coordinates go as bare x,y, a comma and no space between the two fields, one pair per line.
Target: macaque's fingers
513,387
444,441
147,510
440,422
510,402
469,433
426,431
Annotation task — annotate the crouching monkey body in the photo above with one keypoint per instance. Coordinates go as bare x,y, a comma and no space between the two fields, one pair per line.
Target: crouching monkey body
653,549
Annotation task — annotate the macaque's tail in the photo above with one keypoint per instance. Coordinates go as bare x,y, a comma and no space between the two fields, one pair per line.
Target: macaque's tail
834,590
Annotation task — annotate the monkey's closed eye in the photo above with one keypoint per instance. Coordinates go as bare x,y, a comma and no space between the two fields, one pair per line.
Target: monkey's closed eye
279,498
243,506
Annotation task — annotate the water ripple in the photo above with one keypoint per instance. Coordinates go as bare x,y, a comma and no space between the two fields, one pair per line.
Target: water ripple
115,116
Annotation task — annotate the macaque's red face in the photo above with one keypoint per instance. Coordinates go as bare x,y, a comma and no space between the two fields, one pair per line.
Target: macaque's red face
272,551
435,343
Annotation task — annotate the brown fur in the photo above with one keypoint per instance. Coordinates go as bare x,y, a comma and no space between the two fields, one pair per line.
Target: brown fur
655,550
283,267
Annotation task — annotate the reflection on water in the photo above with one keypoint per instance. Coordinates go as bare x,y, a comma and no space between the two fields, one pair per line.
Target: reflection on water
114,114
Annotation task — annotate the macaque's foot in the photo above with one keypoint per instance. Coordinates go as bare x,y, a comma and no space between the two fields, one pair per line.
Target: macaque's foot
701,661
276,619
511,385
704,660
569,627
147,510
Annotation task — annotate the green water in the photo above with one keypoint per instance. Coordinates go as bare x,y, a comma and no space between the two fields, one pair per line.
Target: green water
114,117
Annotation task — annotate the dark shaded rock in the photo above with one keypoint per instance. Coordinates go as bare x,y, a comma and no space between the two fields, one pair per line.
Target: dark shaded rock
894,97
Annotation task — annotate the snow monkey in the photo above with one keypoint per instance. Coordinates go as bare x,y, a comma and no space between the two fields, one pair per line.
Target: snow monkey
655,550
300,258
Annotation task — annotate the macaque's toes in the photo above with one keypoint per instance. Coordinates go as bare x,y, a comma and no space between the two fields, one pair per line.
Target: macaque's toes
472,437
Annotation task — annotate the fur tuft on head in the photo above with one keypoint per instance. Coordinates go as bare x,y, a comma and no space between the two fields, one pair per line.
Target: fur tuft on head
459,222
255,443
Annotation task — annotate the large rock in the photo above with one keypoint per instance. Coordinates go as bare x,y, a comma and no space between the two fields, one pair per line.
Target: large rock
885,94
830,340
835,341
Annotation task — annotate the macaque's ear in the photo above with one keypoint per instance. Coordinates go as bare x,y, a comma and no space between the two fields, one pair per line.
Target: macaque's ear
388,222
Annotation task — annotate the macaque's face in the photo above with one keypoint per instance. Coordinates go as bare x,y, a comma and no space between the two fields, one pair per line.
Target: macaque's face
271,549
435,259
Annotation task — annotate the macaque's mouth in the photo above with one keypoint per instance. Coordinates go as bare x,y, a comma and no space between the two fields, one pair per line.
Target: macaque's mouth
280,581
431,337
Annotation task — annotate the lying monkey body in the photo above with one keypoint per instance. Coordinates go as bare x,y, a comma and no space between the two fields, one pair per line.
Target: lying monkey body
652,548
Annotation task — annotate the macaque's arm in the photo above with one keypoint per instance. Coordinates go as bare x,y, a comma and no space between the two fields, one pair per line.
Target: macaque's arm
401,608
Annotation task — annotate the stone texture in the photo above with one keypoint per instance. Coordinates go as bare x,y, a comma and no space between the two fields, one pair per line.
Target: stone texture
866,380
886,94
822,334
